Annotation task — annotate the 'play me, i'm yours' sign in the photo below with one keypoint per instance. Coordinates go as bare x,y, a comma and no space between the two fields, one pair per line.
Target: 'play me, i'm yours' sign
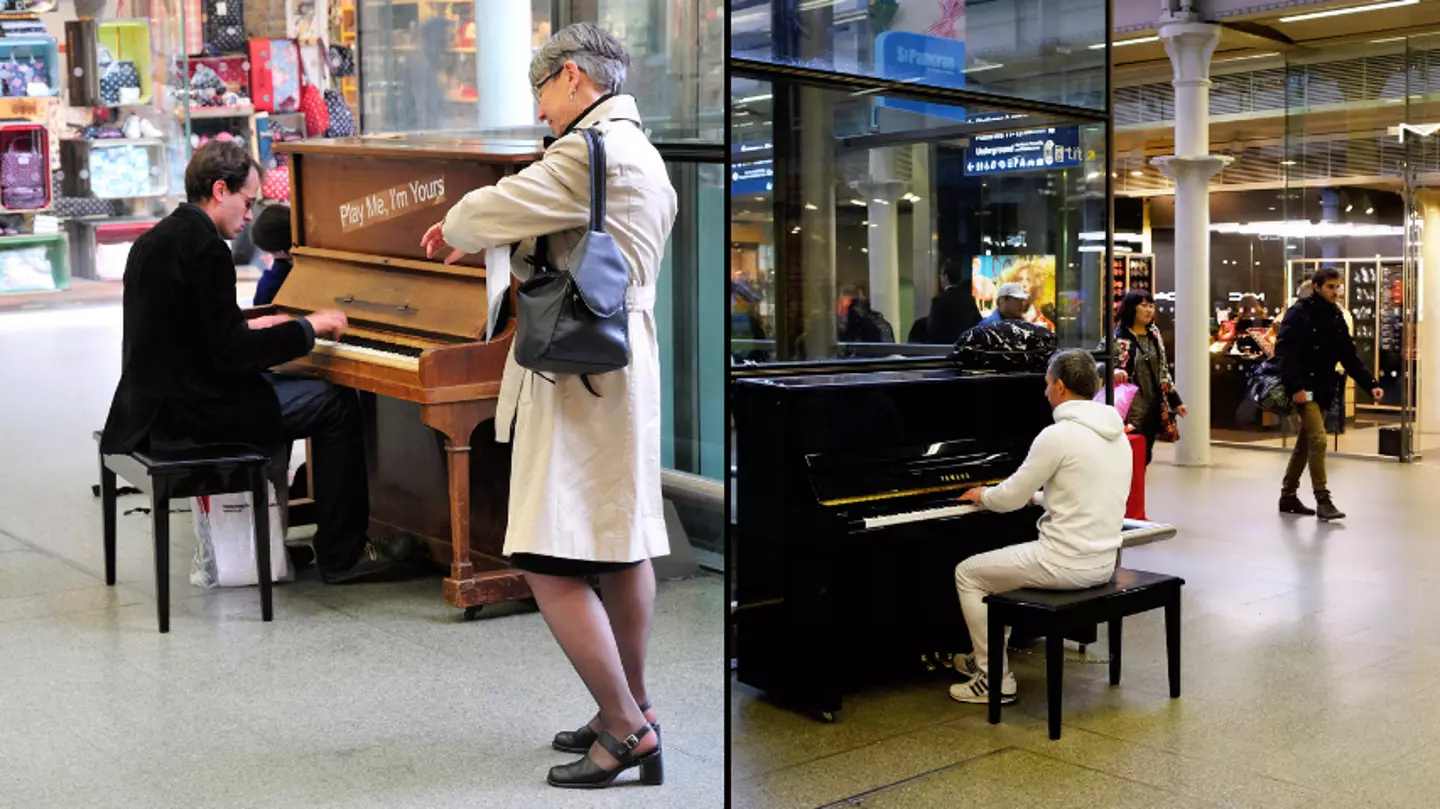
392,202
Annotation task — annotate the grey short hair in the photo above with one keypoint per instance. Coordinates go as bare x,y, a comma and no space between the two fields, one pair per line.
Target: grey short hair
1075,369
597,52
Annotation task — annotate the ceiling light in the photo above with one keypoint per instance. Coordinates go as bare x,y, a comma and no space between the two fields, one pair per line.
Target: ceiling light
810,206
982,68
1349,208
1387,39
1336,12
1099,46
1302,229
1369,211
1264,55
881,201
1287,162
753,99
1137,174
859,202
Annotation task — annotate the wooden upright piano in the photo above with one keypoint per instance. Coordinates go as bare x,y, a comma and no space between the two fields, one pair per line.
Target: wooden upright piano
359,207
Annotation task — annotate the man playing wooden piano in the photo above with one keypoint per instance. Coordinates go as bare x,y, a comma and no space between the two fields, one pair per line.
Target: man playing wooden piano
1083,464
194,370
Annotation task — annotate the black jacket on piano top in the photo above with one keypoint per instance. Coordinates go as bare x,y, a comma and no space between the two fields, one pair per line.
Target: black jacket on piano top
1313,340
192,370
1005,345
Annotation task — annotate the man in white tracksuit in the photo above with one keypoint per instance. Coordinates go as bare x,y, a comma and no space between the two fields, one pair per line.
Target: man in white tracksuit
1083,463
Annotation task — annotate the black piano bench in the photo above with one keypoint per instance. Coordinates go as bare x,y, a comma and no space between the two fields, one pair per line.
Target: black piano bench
204,471
1052,612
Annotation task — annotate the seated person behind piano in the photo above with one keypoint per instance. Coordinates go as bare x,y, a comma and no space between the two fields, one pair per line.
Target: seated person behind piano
271,233
193,369
1083,464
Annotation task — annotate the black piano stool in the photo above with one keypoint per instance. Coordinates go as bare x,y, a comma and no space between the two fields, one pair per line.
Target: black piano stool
206,471
1053,612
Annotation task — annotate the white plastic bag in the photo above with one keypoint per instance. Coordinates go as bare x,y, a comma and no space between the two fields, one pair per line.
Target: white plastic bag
225,547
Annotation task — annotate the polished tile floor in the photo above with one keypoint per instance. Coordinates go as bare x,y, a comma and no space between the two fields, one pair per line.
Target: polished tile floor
363,696
1311,675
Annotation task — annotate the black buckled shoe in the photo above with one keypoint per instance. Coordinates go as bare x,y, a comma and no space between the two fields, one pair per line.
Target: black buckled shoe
586,774
580,740
1292,504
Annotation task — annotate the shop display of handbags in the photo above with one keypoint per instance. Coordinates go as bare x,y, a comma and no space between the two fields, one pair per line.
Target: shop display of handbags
120,171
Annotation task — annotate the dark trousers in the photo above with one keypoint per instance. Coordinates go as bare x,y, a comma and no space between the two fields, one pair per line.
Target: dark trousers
330,417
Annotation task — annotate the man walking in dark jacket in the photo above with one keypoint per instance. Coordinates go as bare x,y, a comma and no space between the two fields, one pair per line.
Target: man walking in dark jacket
193,369
1313,340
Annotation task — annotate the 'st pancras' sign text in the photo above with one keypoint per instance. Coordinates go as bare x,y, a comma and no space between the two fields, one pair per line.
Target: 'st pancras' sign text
397,201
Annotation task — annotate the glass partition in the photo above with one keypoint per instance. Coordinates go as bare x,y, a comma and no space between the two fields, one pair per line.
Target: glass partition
855,218
1042,50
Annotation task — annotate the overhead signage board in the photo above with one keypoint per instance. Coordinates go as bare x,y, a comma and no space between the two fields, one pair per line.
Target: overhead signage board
923,61
753,177
1042,149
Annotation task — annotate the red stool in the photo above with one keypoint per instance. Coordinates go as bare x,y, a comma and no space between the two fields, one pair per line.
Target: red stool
1135,505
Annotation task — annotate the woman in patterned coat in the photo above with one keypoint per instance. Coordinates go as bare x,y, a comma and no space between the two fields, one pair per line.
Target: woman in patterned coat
1140,359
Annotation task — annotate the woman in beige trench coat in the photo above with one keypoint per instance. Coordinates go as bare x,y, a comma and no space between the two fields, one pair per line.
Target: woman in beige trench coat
585,475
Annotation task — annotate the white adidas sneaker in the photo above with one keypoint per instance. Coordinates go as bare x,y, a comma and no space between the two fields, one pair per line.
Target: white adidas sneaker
976,690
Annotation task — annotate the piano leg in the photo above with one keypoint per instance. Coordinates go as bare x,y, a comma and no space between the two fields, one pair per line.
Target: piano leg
465,588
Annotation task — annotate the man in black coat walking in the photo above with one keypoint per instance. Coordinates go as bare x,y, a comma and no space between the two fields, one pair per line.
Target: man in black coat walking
953,311
193,368
1313,340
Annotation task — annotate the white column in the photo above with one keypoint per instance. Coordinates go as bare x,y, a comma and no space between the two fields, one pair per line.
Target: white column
502,63
1190,46
1428,345
922,233
882,192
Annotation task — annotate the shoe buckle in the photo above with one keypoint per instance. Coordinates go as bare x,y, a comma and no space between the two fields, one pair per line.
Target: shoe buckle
631,742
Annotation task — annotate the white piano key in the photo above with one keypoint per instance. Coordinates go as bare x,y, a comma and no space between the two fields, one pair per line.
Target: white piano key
920,516
374,356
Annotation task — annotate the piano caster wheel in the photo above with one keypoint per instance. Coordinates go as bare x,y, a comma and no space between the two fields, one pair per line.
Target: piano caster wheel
471,613
829,717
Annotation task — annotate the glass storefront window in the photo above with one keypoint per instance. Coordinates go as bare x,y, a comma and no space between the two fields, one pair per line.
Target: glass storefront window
1041,50
852,211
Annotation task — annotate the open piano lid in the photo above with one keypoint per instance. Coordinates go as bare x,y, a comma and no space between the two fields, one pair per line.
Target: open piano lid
441,304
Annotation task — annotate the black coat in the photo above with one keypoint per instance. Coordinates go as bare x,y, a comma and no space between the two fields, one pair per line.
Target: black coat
192,370
952,313
1313,340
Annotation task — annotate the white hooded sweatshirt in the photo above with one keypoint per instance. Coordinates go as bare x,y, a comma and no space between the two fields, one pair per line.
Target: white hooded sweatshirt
1084,463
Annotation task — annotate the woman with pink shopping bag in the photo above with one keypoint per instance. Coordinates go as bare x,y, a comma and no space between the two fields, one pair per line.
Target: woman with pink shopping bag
1145,394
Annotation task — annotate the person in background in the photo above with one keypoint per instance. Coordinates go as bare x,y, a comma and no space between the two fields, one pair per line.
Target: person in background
1313,341
1140,359
1082,463
1011,303
865,325
271,233
953,311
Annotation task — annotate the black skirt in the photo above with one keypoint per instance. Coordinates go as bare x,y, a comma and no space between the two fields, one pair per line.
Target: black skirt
559,566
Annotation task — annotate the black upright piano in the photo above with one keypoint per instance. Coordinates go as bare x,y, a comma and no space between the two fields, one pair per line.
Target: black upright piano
848,528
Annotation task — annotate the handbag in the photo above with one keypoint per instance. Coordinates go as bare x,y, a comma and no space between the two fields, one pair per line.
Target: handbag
277,183
1124,397
22,177
342,61
575,321
225,26
118,77
342,120
1267,390
317,114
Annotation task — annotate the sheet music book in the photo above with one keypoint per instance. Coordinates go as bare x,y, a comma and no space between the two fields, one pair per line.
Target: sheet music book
497,284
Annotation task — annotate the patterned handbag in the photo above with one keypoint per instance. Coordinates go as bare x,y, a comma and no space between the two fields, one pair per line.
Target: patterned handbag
342,121
22,175
317,113
225,26
342,60
117,78
275,75
277,183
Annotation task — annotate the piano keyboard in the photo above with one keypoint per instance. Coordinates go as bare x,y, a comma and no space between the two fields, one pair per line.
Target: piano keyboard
376,356
919,516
